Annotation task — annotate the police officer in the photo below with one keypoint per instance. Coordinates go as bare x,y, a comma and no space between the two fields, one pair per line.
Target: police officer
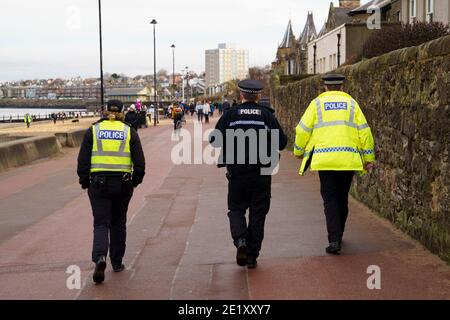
249,184
333,137
111,164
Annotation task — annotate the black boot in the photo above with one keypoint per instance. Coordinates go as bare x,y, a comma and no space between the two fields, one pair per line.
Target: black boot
99,272
333,248
241,255
251,262
119,267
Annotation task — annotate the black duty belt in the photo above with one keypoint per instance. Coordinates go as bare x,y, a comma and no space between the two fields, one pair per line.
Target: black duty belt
125,176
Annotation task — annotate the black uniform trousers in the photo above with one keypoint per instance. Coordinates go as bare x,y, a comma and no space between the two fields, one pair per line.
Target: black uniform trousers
248,190
334,188
110,196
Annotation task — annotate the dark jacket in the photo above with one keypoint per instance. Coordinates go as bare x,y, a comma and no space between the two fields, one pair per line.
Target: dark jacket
84,158
226,106
133,119
249,116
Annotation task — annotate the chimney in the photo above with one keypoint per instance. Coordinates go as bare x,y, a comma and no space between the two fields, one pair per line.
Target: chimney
349,4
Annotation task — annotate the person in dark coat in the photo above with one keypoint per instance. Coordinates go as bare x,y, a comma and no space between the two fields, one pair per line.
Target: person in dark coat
133,118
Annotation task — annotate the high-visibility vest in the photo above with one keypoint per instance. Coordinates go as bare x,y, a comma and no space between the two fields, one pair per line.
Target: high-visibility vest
333,134
111,147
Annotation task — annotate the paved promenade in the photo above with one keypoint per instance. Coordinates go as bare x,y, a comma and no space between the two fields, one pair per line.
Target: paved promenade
179,246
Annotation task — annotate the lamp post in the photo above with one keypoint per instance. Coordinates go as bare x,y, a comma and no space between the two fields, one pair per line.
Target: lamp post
187,82
173,68
182,85
102,93
155,119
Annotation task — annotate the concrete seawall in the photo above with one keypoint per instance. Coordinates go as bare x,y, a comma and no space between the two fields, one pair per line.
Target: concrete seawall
71,139
23,151
19,151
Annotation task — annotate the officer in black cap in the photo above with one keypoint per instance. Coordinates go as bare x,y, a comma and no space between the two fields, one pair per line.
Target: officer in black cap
111,164
333,79
247,132
334,138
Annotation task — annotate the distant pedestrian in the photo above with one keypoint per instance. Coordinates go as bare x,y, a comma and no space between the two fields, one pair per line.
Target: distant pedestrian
138,105
213,108
54,117
151,112
132,117
28,119
177,115
207,111
199,110
192,109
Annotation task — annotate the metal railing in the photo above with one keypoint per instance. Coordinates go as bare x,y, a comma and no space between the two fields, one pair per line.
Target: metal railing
48,116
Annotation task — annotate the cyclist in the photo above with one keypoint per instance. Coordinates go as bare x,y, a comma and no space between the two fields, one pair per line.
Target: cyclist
177,115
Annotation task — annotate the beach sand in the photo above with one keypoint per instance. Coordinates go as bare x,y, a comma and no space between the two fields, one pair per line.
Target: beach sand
46,127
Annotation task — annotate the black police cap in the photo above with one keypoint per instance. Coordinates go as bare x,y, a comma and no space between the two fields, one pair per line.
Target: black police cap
114,106
333,78
251,86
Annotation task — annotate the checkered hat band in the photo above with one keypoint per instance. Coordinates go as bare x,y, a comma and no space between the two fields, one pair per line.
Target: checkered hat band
334,82
250,91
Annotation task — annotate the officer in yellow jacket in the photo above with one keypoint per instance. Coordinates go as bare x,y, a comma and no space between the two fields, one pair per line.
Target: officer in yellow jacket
111,164
334,138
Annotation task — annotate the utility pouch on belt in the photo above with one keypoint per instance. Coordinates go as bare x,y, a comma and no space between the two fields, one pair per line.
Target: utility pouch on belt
101,183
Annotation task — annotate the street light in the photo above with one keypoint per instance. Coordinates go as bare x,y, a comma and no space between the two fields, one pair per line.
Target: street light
187,81
173,70
184,77
102,95
155,120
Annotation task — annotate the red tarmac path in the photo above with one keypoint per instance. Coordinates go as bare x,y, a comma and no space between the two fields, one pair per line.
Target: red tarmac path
179,245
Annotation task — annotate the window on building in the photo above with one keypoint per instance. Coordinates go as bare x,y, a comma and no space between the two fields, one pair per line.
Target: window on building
412,11
430,10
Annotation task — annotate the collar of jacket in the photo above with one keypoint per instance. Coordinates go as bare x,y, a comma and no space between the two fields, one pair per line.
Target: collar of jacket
335,93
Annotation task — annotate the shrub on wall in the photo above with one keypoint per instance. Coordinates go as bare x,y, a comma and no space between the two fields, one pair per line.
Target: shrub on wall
397,36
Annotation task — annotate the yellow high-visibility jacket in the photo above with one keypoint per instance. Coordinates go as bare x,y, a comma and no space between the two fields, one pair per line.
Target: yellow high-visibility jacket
333,134
111,147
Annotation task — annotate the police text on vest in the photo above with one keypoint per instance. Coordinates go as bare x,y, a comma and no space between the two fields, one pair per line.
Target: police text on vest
329,106
111,135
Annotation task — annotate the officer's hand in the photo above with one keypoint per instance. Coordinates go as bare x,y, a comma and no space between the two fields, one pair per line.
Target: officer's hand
85,186
369,166
298,157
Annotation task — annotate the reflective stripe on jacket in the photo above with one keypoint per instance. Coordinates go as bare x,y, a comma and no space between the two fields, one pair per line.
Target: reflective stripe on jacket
111,147
333,134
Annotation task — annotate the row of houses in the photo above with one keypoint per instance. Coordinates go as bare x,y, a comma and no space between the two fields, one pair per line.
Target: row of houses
193,88
346,30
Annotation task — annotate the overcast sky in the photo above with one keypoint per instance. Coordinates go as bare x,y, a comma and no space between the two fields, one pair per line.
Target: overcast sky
59,38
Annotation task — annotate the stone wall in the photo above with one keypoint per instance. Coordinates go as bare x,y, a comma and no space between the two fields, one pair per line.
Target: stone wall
405,96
